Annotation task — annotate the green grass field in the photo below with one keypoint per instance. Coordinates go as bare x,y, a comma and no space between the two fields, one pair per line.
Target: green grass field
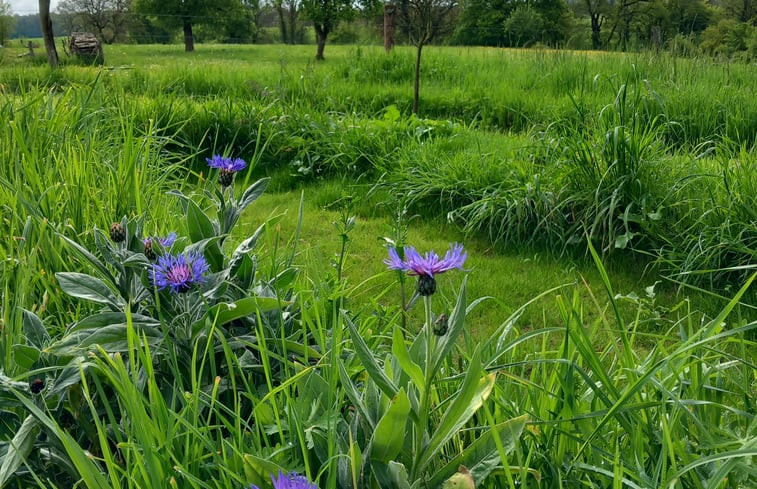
606,202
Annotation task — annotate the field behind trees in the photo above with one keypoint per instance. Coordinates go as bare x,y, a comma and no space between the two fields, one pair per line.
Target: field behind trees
552,167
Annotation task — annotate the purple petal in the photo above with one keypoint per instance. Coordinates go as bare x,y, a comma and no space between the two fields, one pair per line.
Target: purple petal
394,262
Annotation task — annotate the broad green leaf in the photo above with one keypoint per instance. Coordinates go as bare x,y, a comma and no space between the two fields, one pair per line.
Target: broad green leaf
244,248
25,356
482,456
225,312
468,400
258,471
389,436
398,474
365,355
406,363
112,338
20,448
199,225
89,257
110,318
252,193
87,287
456,325
34,330
354,396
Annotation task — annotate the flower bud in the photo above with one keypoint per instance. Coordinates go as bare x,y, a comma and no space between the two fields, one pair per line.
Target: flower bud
426,285
149,252
36,386
225,177
117,232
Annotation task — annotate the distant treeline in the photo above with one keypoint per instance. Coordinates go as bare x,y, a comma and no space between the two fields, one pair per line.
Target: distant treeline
688,27
29,26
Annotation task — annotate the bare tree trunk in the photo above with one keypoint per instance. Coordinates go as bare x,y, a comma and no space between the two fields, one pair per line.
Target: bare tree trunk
417,84
189,40
320,35
390,12
282,23
47,33
596,26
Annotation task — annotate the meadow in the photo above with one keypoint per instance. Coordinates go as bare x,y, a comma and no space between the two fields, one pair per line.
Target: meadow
601,333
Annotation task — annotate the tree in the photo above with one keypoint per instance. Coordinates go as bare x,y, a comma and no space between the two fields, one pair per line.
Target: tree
7,21
325,15
741,10
185,13
524,26
288,12
598,11
107,18
47,33
424,20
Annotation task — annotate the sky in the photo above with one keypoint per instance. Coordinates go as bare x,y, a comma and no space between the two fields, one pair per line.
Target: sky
24,7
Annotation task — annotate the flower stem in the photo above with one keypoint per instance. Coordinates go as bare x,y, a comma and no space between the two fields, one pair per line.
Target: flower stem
425,391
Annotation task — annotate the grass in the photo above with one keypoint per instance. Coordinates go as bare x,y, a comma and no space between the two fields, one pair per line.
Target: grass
624,378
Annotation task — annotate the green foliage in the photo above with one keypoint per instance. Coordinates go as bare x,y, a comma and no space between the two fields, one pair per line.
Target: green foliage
295,357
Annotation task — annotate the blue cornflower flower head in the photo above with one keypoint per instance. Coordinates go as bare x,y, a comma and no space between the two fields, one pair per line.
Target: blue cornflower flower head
164,242
425,267
179,272
289,481
292,481
227,167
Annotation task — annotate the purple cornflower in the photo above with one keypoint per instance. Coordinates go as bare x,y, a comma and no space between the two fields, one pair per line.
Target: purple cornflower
227,167
164,242
179,272
426,266
290,481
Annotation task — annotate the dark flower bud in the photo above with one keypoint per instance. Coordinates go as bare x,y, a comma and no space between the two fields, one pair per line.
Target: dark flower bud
36,386
225,177
440,325
117,232
426,285
149,252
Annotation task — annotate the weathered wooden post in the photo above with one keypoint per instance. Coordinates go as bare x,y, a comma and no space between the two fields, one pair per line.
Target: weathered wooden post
31,49
390,12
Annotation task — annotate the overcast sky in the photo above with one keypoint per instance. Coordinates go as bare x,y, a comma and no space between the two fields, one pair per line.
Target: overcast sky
30,6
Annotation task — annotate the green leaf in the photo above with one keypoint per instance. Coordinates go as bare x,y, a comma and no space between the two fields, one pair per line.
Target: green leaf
456,325
20,448
89,257
25,356
199,225
472,394
112,338
87,287
398,474
482,456
390,435
354,396
34,330
109,318
365,355
258,471
244,248
406,363
225,312
252,193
